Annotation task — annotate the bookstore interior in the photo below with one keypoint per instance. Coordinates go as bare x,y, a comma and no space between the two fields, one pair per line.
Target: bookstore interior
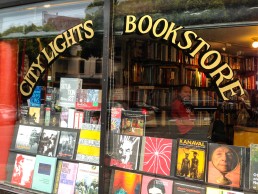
129,97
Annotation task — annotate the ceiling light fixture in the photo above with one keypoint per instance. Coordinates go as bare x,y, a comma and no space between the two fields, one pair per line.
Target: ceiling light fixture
255,42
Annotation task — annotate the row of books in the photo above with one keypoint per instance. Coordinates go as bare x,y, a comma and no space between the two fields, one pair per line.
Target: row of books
186,159
49,175
150,184
82,145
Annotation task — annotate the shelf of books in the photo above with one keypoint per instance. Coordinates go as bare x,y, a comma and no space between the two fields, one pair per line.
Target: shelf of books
56,144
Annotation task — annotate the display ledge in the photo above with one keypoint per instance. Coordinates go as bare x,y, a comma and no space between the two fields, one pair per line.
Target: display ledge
6,188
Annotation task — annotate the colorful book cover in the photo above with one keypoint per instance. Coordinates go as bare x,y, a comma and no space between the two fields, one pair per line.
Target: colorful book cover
44,173
88,149
156,155
87,180
125,182
125,151
225,164
211,190
35,100
23,170
187,188
68,88
116,115
88,99
253,173
48,142
66,145
191,159
34,115
64,117
133,123
27,138
67,178
156,185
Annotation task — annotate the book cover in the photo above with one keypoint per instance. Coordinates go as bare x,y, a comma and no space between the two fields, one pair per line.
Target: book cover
27,138
70,123
191,159
47,116
35,99
133,123
225,164
67,178
24,115
64,117
57,176
48,142
87,180
125,151
67,93
44,173
23,170
88,99
211,190
34,115
156,155
156,185
88,149
66,145
116,115
180,187
125,182
253,169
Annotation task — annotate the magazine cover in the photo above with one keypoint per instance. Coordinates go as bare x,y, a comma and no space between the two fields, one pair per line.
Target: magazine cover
87,180
48,142
156,185
133,123
125,182
156,155
180,187
211,190
191,159
125,151
66,145
28,138
67,178
253,174
23,170
88,149
225,164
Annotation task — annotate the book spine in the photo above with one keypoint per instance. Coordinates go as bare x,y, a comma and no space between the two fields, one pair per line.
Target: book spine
57,177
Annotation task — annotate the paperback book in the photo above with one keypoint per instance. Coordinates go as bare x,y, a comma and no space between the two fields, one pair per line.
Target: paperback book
211,190
23,170
27,138
133,123
66,145
34,115
225,164
116,115
156,157
125,151
67,178
87,180
88,149
253,174
44,173
88,99
48,142
191,159
35,99
125,182
24,115
156,185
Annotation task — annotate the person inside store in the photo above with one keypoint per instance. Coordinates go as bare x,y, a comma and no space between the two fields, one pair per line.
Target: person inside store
182,114
156,186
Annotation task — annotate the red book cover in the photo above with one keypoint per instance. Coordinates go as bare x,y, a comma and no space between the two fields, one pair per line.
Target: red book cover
225,165
126,182
23,170
156,185
157,155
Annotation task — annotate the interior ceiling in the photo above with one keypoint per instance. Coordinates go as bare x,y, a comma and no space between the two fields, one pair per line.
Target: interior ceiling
234,40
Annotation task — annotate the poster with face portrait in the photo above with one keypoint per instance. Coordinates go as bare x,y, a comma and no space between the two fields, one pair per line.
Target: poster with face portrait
225,164
125,151
154,185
